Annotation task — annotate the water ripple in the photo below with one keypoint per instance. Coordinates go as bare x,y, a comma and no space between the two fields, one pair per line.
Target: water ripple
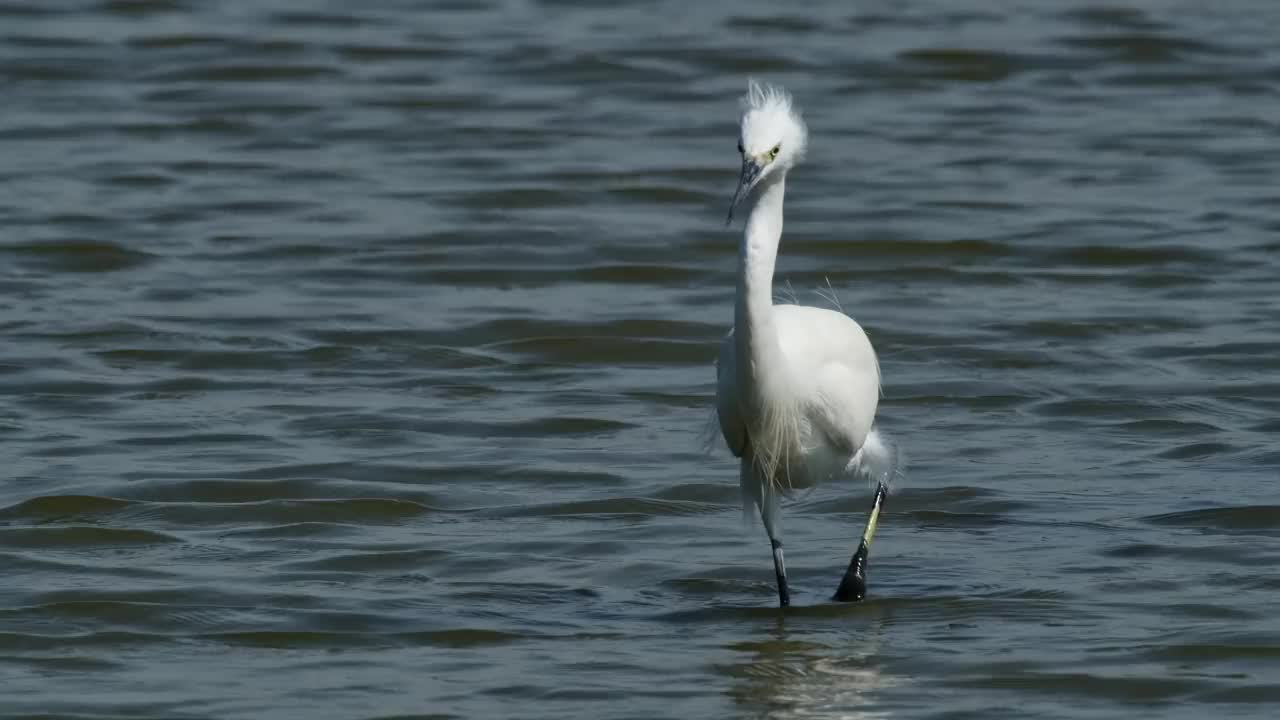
366,351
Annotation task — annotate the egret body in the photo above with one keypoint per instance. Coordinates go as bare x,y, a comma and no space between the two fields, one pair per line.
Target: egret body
796,386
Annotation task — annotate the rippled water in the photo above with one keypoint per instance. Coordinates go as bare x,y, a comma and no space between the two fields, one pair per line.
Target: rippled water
356,359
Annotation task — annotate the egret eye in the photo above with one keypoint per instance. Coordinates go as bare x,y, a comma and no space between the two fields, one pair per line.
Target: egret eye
773,154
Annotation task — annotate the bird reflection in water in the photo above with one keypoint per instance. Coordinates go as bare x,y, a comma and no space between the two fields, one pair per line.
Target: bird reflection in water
793,675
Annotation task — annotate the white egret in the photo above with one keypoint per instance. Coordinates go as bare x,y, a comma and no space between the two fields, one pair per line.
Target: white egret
796,386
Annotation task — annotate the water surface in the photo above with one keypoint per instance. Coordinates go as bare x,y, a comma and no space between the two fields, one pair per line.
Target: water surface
356,359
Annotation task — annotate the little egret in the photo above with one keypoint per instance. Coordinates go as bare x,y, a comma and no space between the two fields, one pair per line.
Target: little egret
796,386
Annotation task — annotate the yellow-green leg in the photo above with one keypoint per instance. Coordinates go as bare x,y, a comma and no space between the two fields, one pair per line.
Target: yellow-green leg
853,586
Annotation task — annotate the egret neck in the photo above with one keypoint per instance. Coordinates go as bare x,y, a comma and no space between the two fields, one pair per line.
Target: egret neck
756,338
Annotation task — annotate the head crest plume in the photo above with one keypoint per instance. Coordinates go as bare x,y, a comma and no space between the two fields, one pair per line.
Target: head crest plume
765,97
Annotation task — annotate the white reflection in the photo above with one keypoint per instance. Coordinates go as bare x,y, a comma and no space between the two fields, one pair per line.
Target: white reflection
791,674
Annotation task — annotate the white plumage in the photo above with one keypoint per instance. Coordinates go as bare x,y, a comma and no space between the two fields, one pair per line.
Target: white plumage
797,387
823,402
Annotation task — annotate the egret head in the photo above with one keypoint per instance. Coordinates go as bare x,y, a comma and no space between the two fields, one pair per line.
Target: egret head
772,138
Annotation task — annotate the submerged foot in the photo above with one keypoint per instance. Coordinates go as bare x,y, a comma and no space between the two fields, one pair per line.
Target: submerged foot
780,570
853,586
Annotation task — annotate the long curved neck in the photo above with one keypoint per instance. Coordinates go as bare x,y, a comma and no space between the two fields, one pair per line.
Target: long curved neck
756,337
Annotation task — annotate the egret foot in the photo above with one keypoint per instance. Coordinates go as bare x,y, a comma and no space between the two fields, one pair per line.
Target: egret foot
853,586
780,569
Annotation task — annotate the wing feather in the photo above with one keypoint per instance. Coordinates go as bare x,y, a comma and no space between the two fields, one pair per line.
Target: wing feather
732,425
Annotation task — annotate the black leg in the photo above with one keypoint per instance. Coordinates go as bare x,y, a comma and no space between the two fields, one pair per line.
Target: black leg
853,586
780,568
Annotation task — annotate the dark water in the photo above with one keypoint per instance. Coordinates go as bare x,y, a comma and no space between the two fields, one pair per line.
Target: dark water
356,359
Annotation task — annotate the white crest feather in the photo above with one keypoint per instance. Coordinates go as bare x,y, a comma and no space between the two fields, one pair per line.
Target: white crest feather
769,120
766,98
